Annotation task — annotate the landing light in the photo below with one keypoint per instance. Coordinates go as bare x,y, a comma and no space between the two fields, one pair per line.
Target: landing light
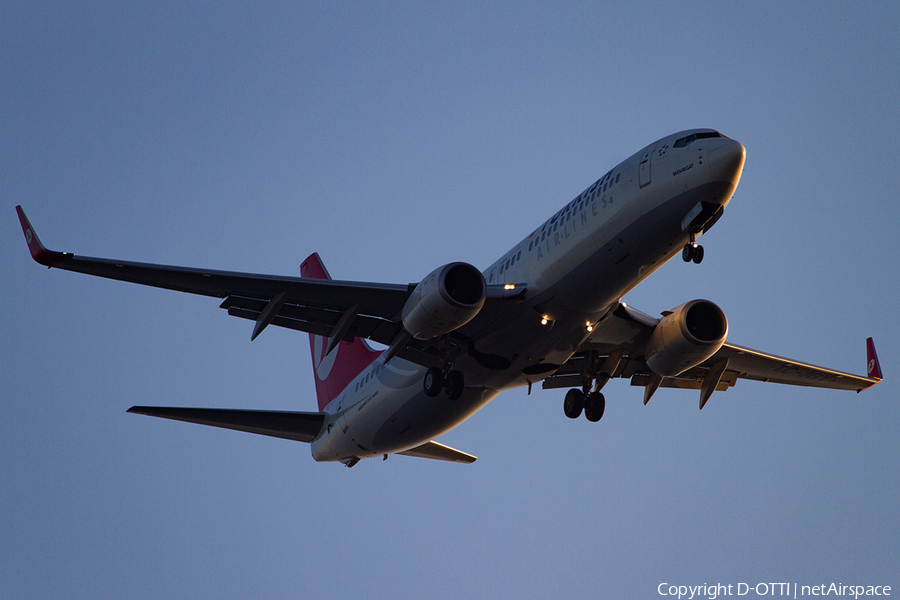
545,319
509,286
589,327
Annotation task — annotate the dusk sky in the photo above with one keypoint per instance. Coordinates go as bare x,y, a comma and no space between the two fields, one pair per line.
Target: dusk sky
393,138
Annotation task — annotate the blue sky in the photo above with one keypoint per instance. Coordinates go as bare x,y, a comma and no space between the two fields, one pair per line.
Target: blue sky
392,139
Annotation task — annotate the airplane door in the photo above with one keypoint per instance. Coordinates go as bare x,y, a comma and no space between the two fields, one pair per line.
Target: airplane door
644,170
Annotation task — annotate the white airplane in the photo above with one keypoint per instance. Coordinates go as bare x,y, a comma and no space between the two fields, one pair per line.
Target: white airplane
549,310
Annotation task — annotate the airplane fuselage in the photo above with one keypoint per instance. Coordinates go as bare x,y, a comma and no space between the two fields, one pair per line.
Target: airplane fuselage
576,267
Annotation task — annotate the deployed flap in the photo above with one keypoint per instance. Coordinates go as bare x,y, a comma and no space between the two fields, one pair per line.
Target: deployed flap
297,426
439,452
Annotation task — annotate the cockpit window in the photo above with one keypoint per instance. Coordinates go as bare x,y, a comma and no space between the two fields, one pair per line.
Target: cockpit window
685,141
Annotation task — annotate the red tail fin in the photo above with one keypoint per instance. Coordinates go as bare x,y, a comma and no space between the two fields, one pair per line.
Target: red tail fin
873,367
336,370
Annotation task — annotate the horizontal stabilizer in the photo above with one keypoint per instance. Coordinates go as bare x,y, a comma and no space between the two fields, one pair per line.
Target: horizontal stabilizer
297,426
439,452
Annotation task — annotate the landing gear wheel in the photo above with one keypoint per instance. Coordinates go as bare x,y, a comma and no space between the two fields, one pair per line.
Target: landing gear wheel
692,251
434,381
574,403
698,255
594,405
455,384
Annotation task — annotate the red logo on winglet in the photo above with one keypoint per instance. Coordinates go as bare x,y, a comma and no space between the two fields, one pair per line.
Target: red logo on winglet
873,369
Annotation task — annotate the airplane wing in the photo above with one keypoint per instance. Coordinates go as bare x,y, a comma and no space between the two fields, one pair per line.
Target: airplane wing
304,304
615,350
380,301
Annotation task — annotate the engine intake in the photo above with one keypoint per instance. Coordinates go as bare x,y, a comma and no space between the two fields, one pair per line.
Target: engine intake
685,337
448,298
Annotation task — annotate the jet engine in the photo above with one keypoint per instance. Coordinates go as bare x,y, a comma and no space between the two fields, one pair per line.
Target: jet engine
685,337
448,298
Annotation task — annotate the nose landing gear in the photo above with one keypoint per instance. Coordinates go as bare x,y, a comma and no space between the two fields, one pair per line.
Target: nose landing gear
692,252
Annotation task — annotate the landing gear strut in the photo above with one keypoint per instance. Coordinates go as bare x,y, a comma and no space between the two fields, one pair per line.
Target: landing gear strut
692,252
453,382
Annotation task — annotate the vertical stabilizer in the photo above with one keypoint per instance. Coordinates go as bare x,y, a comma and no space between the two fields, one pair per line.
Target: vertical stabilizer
334,370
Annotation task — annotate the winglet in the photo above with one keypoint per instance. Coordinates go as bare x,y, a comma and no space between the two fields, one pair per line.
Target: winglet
38,252
873,367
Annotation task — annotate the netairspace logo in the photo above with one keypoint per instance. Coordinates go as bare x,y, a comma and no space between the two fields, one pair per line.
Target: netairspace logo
793,590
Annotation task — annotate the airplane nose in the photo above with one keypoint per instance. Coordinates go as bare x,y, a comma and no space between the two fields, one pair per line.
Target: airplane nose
726,159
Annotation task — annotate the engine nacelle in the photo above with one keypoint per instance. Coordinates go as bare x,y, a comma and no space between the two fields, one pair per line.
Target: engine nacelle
448,298
686,337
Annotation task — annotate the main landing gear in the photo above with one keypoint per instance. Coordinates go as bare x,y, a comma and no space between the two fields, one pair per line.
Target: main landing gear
593,404
692,252
594,374
452,382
